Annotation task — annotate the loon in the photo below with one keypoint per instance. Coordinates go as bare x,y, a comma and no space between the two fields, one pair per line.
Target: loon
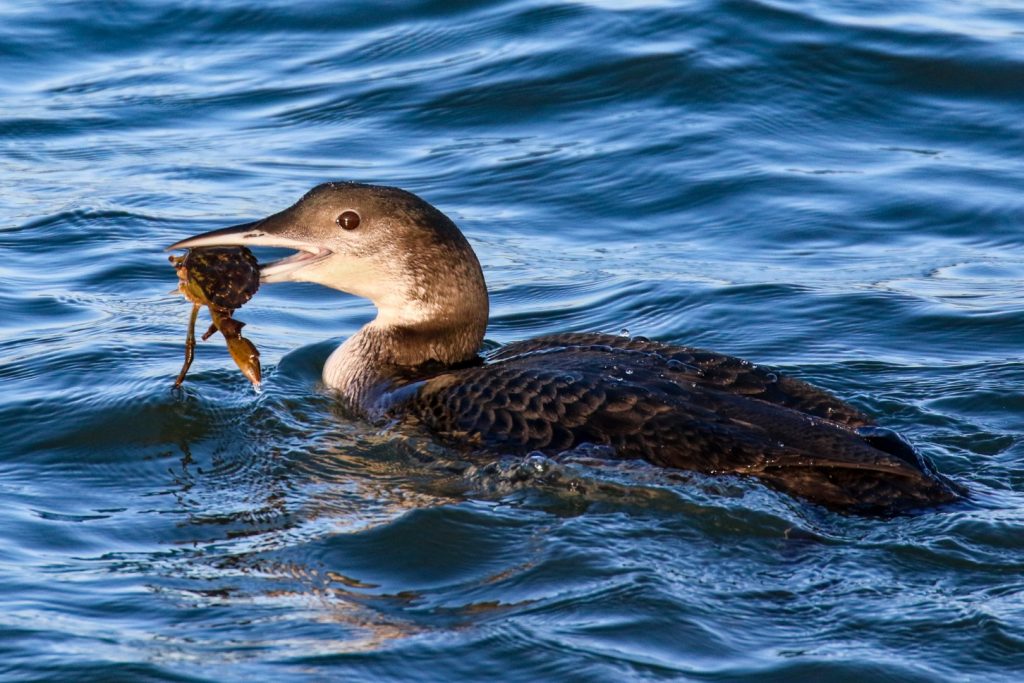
674,406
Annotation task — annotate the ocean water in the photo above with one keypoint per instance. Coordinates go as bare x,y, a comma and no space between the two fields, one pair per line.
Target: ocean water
830,188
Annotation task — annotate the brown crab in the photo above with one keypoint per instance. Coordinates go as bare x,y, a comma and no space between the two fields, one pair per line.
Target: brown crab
222,279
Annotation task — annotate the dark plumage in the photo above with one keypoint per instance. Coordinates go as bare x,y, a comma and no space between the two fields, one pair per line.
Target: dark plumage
679,407
673,406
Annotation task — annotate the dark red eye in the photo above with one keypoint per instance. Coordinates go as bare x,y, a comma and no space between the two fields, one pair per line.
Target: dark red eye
348,220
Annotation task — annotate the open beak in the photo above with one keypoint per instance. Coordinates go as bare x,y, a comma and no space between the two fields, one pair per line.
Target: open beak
262,233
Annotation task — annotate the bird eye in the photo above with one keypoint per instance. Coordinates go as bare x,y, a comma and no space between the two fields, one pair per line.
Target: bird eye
348,220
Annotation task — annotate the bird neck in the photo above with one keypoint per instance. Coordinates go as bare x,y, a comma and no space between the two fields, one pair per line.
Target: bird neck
393,347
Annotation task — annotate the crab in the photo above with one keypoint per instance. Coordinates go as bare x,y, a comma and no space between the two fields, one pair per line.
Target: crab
223,279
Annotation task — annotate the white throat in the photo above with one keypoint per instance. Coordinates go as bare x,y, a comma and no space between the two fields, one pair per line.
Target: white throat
396,343
345,369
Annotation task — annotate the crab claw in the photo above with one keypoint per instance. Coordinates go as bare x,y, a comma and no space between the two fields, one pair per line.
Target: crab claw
246,357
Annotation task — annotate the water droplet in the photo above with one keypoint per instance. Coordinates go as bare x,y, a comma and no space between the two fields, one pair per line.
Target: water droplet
538,462
629,371
676,364
771,378
624,333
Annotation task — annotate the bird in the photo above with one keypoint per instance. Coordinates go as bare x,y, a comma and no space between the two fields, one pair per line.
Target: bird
420,361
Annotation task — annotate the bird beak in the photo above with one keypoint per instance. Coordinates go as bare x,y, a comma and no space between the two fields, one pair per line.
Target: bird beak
243,235
262,233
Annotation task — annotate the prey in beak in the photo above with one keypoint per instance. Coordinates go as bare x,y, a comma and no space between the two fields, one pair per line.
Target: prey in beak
269,232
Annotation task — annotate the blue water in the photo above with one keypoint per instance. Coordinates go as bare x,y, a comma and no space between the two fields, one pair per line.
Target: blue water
832,188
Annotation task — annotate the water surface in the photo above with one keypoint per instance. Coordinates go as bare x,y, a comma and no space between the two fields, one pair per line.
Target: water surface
831,188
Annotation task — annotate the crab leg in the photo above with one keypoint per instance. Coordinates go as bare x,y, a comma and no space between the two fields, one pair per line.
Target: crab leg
190,346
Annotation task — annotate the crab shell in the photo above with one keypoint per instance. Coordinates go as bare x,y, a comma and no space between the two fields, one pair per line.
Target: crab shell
225,277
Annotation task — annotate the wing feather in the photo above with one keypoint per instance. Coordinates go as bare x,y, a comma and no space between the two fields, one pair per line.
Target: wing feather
676,407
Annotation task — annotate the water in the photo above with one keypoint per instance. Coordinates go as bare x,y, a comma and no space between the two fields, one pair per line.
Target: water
832,188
